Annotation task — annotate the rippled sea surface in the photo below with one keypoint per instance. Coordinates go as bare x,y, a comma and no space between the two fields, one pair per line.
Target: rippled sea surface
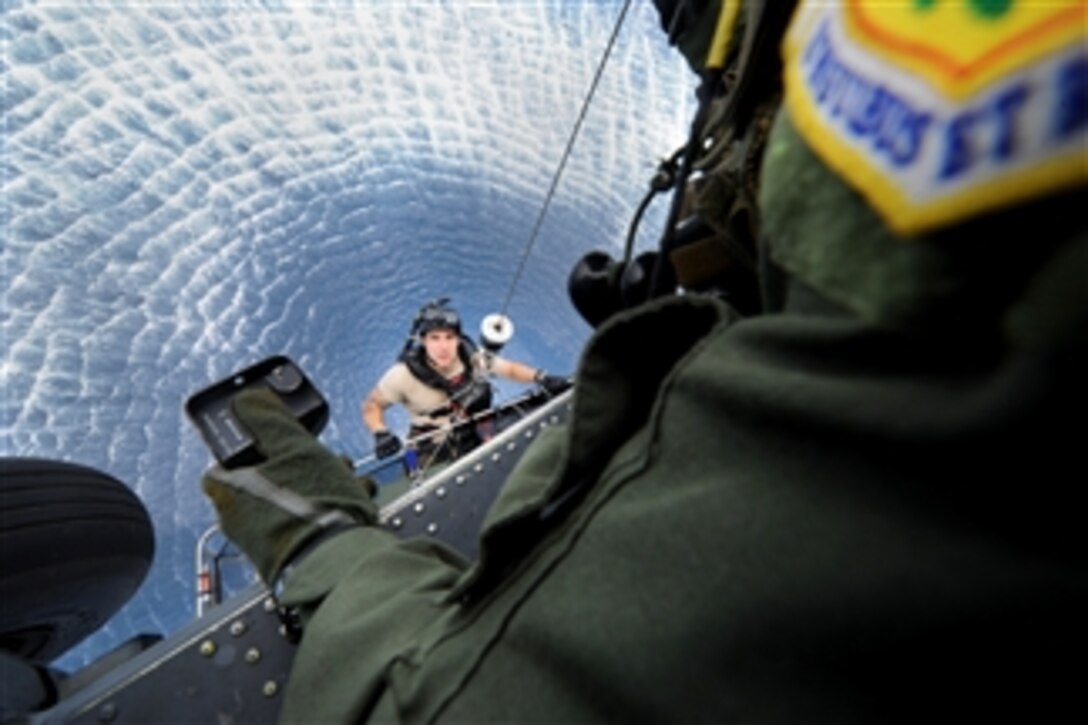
188,188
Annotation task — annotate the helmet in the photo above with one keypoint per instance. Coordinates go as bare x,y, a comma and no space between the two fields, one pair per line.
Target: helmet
436,316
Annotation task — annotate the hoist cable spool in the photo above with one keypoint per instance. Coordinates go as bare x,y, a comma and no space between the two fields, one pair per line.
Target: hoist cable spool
495,331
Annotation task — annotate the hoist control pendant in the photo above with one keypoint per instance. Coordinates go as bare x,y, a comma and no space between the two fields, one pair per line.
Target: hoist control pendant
495,331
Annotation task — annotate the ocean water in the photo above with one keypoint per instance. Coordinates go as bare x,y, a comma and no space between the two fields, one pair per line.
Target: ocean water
190,187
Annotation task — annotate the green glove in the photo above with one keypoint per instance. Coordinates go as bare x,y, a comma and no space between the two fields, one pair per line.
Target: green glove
300,491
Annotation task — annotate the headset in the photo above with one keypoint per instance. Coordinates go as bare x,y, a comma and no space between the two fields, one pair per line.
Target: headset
701,250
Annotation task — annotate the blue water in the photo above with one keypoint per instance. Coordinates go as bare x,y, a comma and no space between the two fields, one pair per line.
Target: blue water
188,189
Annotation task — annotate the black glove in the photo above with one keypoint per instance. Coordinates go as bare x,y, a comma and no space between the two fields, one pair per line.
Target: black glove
272,510
552,384
386,444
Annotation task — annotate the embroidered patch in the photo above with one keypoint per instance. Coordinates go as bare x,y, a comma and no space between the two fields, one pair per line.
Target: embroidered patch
937,110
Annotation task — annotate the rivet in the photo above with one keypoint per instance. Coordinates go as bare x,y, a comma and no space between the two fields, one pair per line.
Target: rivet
511,446
237,628
479,467
270,689
253,655
207,648
496,456
107,712
440,492
529,433
432,528
460,481
283,630
419,507
555,419
269,604
397,522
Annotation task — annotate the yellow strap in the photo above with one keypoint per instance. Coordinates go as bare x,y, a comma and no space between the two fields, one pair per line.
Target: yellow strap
723,33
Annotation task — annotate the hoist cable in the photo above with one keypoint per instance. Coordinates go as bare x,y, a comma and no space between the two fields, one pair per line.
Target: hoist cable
566,155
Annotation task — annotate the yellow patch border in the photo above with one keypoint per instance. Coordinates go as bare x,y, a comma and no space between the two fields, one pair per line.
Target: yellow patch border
895,206
958,80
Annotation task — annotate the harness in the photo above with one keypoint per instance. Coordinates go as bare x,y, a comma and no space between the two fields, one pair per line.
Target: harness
468,393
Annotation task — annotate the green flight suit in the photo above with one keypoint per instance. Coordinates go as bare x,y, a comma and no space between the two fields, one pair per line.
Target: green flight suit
857,507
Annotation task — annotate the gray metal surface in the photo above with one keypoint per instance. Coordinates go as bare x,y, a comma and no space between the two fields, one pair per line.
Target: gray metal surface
452,504
228,666
231,664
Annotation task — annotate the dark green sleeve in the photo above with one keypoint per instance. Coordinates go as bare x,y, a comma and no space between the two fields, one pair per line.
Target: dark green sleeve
363,596
367,597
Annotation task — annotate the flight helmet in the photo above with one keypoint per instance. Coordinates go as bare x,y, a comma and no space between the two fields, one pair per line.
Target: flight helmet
437,315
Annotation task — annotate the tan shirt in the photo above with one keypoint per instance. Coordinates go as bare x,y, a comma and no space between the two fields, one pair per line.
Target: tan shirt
398,385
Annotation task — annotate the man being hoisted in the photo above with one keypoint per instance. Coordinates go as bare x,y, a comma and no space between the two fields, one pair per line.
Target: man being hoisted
441,378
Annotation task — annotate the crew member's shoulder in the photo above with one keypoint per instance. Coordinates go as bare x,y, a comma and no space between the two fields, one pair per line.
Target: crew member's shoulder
395,378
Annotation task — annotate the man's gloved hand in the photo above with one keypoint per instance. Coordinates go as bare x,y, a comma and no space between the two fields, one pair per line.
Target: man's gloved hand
300,490
552,384
386,444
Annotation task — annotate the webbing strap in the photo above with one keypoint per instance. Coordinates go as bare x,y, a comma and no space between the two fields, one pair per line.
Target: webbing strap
250,481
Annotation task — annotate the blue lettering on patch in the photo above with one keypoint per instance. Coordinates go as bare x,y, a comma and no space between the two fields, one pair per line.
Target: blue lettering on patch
1005,107
869,110
959,152
964,132
1071,114
988,132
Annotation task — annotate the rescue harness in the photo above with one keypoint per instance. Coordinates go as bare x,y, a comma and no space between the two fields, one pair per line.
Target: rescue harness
468,392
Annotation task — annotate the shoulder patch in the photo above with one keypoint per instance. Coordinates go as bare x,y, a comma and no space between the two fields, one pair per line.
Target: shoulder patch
937,110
